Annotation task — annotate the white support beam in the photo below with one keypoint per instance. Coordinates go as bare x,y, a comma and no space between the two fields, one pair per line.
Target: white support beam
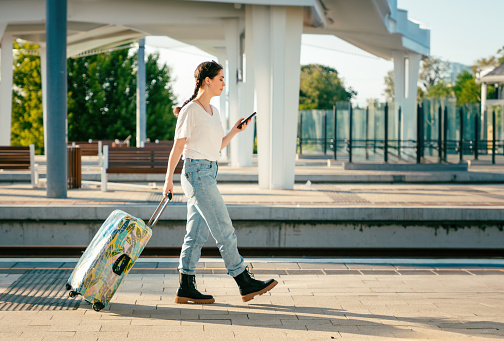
141,106
6,73
220,53
406,70
247,105
232,34
276,63
483,110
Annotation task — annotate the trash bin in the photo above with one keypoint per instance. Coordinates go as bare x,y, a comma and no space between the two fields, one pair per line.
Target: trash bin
74,154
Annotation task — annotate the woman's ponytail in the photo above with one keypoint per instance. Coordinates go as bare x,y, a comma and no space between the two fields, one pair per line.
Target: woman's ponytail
204,70
176,111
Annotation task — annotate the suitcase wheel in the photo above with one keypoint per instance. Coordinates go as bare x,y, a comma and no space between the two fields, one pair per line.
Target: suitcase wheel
97,306
73,293
68,286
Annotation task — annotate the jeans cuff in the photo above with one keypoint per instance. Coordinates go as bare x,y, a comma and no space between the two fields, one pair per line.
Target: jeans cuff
236,272
187,272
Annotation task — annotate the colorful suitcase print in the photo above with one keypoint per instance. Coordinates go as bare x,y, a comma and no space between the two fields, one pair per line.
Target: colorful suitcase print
110,256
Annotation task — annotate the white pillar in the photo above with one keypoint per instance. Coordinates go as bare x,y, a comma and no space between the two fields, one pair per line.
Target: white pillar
406,69
232,37
141,106
220,53
43,76
483,109
277,44
246,94
6,73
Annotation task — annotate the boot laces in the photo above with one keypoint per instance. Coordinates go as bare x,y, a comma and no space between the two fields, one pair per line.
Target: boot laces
250,273
194,283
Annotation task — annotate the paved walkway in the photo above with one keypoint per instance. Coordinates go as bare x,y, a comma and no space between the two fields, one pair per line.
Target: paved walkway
316,194
359,300
316,299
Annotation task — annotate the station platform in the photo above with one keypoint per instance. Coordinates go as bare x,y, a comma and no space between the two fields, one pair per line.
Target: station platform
316,299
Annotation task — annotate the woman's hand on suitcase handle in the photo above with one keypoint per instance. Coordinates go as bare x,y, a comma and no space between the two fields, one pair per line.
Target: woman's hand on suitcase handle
168,187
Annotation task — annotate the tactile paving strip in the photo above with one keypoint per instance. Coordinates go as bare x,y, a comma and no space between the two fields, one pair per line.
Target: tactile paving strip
39,290
344,196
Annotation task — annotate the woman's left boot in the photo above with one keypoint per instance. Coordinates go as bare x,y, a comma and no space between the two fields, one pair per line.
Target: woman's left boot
187,291
250,287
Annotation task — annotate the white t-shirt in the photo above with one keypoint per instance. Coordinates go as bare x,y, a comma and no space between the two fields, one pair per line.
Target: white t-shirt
203,131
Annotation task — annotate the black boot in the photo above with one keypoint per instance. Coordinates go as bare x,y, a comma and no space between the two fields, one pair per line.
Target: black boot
187,291
250,287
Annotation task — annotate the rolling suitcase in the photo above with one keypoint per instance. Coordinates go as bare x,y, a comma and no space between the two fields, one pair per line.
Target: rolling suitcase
110,255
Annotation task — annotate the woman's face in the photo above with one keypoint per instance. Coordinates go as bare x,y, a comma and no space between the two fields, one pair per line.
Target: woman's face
216,85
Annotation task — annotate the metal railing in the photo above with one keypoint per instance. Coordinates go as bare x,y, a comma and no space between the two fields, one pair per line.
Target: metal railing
445,131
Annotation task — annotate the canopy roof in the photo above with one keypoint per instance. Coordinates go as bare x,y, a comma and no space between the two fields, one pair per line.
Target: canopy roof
494,76
376,26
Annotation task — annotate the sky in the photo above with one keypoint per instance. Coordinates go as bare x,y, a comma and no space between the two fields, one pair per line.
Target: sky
462,31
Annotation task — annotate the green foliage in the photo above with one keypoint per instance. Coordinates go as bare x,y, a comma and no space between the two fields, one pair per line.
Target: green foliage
320,88
101,103
27,118
160,100
101,98
466,90
440,89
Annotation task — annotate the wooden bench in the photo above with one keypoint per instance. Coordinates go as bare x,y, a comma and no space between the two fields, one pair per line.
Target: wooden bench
91,148
148,160
19,158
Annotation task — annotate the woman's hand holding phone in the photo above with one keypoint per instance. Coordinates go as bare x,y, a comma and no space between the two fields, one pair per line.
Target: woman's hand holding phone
246,121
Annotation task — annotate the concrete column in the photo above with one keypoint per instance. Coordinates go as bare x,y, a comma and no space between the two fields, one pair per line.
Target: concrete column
277,70
246,94
239,101
43,75
56,149
221,58
232,37
6,73
483,130
406,69
141,109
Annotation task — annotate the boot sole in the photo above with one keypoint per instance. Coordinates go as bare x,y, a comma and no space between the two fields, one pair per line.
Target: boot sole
248,297
182,300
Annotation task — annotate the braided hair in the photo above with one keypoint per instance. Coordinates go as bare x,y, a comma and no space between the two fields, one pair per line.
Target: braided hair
204,70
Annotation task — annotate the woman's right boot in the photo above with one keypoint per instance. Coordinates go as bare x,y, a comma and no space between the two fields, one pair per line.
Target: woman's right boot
250,287
187,291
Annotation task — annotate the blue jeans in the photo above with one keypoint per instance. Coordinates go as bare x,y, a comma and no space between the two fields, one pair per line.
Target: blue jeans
206,212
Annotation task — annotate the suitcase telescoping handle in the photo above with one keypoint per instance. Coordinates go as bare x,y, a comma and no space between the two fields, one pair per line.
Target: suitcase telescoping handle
159,210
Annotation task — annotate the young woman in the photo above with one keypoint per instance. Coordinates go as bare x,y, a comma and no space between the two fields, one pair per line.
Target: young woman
199,138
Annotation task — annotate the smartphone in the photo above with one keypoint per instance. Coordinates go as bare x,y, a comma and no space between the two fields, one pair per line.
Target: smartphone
246,120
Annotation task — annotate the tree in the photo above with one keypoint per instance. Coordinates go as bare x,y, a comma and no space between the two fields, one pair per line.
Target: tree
160,100
466,90
389,86
27,117
320,87
440,89
433,70
102,97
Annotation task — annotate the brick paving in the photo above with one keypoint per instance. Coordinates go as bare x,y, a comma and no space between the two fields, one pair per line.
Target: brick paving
377,300
391,195
314,300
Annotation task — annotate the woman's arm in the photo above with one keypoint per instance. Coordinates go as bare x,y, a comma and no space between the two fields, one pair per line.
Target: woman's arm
176,152
235,130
